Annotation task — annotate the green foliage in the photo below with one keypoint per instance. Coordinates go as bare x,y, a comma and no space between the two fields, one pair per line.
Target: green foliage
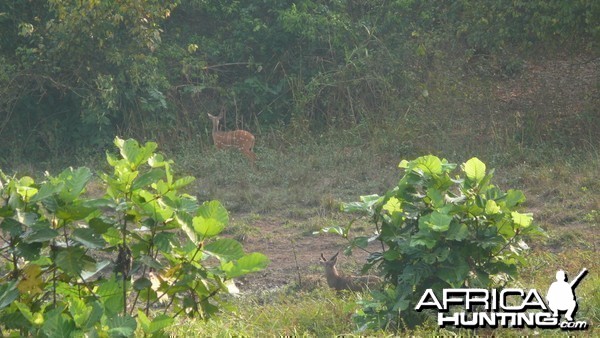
73,73
440,230
58,242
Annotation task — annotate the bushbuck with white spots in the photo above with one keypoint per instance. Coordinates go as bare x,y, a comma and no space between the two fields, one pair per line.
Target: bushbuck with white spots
239,139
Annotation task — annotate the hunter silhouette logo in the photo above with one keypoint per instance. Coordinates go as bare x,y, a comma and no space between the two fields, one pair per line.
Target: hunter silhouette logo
561,294
507,307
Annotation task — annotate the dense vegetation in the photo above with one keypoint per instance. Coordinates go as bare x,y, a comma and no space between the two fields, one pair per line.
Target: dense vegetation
57,241
74,74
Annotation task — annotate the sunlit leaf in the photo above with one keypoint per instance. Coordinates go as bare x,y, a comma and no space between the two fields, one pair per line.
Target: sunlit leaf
207,227
429,164
214,210
491,207
182,182
523,220
475,169
336,229
133,152
392,205
249,263
79,310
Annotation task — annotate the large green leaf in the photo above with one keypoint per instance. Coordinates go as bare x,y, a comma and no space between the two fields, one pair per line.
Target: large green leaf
423,238
75,181
25,188
491,207
57,325
39,233
29,251
121,326
214,210
249,263
79,310
225,248
336,229
73,261
74,212
8,293
366,204
155,325
182,182
12,227
147,178
133,153
187,225
435,221
89,238
95,316
475,169
457,231
100,224
429,164
522,220
110,293
207,227
142,283
48,189
34,318
454,274
154,207
513,198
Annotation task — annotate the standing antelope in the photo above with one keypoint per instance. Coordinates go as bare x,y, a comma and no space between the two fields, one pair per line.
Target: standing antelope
341,282
239,139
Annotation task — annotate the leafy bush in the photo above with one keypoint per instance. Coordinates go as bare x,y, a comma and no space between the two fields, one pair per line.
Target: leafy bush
440,231
162,245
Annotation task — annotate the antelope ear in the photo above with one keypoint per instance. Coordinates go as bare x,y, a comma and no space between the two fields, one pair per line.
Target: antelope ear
334,257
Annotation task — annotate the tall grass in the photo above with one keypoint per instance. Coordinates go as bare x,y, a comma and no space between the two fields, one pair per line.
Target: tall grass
280,313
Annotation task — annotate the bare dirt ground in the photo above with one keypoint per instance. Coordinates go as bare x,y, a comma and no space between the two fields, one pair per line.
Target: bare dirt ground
294,256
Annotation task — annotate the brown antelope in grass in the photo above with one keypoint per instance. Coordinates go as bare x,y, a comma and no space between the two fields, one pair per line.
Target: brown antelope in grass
341,282
239,139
